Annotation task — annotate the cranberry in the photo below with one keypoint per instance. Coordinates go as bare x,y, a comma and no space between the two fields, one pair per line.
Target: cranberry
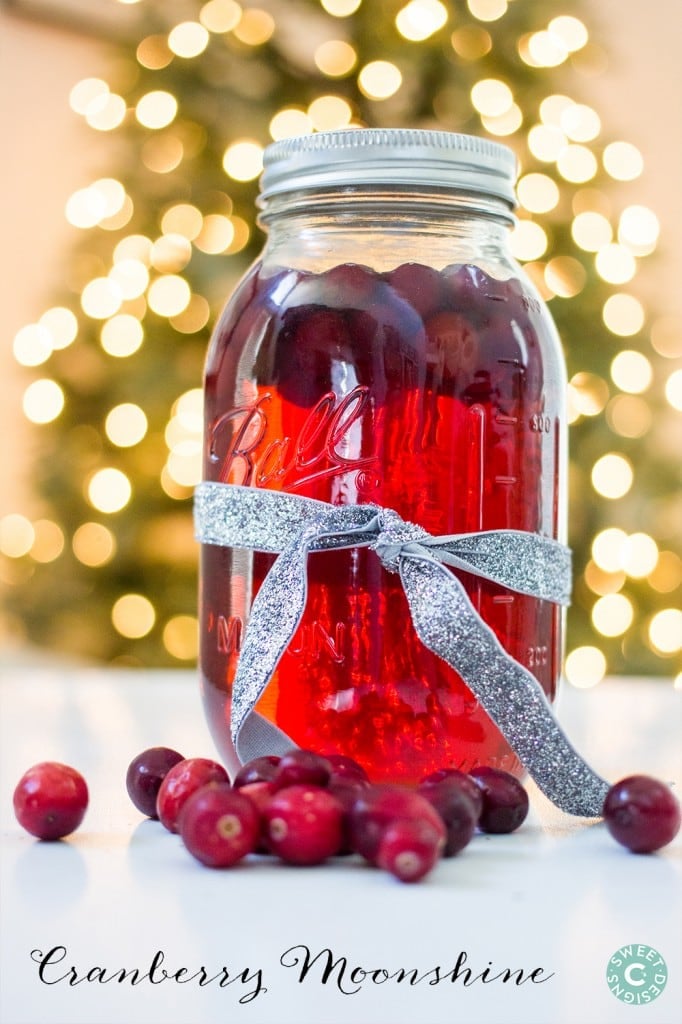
346,789
303,824
181,781
505,801
219,825
50,800
302,767
260,794
259,769
409,848
377,806
346,767
421,286
145,774
459,813
641,813
464,781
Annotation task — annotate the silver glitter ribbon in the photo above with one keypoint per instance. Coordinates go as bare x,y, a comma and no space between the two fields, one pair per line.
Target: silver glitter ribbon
443,616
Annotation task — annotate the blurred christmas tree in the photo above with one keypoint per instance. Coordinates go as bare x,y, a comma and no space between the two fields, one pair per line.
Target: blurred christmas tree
106,569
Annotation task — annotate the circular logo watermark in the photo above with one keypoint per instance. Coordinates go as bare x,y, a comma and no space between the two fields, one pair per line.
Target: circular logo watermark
636,974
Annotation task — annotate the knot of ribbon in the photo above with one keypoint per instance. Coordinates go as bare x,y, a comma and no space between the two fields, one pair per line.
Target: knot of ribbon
442,613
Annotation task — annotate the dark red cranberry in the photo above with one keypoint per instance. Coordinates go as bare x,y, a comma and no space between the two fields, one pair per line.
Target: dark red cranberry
302,767
505,801
409,848
145,774
458,811
421,286
303,824
259,769
219,825
464,781
451,344
349,285
346,789
50,800
260,794
182,780
377,806
346,767
641,813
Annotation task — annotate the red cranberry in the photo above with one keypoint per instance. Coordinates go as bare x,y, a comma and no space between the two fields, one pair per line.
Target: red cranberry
457,810
260,794
259,769
302,767
219,825
145,774
377,806
464,781
346,767
409,848
182,780
641,813
505,801
421,286
303,824
346,789
50,800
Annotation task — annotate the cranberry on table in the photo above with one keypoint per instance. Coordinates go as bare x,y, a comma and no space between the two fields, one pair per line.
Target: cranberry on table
346,767
258,769
145,774
459,812
378,806
505,801
50,800
641,813
302,767
182,780
303,824
409,848
219,825
456,777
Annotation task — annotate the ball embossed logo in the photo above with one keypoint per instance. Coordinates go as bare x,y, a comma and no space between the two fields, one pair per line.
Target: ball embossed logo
636,974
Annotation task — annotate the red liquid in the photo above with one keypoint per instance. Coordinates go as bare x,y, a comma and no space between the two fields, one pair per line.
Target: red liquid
435,394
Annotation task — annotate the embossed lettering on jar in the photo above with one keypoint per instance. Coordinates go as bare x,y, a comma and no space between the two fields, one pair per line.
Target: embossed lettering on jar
384,348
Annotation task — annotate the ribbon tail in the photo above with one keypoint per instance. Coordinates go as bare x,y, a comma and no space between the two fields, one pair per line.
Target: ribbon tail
447,623
275,615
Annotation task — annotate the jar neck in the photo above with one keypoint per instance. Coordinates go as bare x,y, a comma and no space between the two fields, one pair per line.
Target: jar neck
384,227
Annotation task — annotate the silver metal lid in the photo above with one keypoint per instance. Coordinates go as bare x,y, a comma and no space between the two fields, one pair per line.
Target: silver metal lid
389,156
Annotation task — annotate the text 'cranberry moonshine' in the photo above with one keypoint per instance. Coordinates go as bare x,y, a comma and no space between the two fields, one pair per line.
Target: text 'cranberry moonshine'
385,348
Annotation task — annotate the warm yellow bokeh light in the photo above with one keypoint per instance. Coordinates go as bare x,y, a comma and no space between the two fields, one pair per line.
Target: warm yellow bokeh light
43,401
329,112
505,124
341,8
553,108
537,193
220,15
585,667
84,92
667,574
612,476
622,161
608,548
546,142
243,160
615,264
666,336
638,229
188,39
133,616
665,631
109,490
576,163
106,112
126,425
216,234
133,247
420,19
182,219
156,109
565,276
623,314
491,97
580,123
289,122
61,325
571,31
16,535
168,295
49,541
640,555
528,240
612,615
629,416
170,253
101,298
181,637
487,10
254,27
588,393
93,544
591,231
32,345
673,389
131,276
546,50
631,371
379,80
335,58
122,335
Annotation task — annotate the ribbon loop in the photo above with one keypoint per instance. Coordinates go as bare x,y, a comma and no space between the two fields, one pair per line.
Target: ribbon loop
442,614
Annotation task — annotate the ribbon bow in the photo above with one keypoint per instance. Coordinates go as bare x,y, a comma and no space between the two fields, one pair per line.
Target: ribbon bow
442,614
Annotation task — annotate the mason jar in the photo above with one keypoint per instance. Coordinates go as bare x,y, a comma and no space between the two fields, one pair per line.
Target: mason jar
384,348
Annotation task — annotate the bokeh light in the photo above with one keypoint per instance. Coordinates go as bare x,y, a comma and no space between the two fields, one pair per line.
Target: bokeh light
612,476
133,616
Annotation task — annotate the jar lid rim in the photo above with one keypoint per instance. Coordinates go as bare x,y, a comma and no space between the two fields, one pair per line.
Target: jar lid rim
402,156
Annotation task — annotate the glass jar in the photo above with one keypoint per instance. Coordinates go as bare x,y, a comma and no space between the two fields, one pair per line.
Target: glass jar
384,348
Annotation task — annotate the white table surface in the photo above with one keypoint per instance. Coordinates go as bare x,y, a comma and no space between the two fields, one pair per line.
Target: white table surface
559,894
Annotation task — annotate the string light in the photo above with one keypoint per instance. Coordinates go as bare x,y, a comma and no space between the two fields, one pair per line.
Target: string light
243,160
585,667
43,401
93,544
379,80
133,616
220,16
631,371
612,476
420,19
